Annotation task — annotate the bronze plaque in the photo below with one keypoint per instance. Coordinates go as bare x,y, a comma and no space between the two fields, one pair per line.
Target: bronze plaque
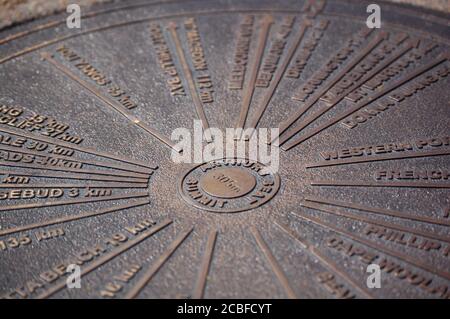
87,176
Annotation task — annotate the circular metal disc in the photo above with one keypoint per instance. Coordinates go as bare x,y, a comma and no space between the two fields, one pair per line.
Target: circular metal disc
87,175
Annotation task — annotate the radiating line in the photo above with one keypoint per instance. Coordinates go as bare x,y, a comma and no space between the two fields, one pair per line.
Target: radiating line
82,161
377,222
76,176
71,202
113,104
277,270
396,254
381,184
156,266
385,157
205,265
199,108
98,185
379,211
386,89
67,219
75,170
109,256
74,147
383,65
335,79
324,259
257,59
279,75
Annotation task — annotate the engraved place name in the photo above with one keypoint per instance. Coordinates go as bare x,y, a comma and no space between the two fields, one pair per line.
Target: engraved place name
331,284
98,77
14,157
64,148
24,160
390,71
202,77
14,242
47,193
412,174
240,57
114,100
312,84
347,79
271,60
278,75
385,90
165,60
398,67
423,244
82,257
393,99
369,63
305,52
118,282
45,125
370,150
32,145
195,95
406,239
390,266
263,32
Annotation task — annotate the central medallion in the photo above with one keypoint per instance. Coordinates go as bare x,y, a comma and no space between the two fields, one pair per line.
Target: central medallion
229,185
228,182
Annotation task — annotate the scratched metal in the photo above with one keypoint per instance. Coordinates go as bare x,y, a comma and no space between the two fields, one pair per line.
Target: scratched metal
85,155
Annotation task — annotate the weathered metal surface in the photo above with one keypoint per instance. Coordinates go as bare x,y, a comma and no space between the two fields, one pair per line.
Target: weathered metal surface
85,152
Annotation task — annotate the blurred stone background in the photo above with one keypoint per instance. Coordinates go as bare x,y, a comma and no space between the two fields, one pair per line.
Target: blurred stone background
12,11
